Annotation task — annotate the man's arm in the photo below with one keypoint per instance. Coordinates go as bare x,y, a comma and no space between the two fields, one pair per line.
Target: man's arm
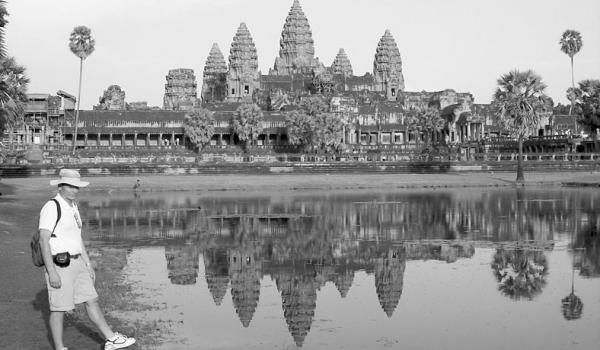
53,276
86,260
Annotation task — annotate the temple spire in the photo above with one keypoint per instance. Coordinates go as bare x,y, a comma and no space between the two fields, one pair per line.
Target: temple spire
214,76
242,77
296,46
341,64
387,66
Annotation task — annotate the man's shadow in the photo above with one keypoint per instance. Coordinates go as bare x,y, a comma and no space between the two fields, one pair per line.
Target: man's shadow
41,303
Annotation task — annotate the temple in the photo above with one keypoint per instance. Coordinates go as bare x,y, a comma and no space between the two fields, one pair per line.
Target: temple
374,106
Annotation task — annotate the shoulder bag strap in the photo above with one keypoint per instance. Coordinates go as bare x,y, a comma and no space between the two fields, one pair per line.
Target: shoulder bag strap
58,212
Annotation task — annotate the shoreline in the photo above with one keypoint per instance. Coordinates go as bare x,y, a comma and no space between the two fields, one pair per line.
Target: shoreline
310,182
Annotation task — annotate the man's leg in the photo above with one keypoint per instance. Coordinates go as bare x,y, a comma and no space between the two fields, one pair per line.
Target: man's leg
97,316
56,328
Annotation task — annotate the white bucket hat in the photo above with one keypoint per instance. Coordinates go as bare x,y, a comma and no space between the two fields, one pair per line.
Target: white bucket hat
69,177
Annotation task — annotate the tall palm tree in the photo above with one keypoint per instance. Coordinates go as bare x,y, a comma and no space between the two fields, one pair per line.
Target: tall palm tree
571,43
82,45
520,102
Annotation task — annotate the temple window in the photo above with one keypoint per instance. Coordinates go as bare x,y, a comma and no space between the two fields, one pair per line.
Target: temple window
233,91
246,89
393,92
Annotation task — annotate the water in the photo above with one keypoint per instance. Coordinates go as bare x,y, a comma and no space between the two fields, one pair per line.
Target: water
430,269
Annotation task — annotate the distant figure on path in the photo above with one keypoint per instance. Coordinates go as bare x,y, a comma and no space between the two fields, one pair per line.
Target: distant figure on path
137,185
69,274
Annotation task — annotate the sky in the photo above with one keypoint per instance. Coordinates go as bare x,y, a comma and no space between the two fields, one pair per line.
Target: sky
464,45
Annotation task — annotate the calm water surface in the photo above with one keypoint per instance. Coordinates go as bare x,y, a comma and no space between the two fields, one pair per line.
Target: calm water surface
461,269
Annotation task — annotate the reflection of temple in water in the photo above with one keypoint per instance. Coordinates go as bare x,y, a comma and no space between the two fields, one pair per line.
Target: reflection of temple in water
491,216
304,243
389,277
216,267
299,301
245,273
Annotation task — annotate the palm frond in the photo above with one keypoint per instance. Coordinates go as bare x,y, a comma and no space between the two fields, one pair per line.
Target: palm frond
81,42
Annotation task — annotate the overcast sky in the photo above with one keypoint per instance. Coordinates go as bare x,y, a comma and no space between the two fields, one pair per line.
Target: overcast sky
464,45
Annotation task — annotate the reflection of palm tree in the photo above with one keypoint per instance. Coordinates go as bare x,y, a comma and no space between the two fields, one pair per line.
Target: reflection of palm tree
520,273
572,307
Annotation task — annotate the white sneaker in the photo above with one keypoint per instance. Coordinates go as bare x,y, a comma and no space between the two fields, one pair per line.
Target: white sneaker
119,341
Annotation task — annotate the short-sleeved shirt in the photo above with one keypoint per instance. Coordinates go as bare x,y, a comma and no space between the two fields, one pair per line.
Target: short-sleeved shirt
67,232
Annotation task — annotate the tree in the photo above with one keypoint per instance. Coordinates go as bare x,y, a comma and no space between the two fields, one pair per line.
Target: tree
13,81
247,122
314,105
82,45
300,128
571,43
199,126
587,105
426,120
328,132
519,103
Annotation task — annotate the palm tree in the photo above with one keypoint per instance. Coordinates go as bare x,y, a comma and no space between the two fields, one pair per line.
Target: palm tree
13,88
571,43
82,45
520,102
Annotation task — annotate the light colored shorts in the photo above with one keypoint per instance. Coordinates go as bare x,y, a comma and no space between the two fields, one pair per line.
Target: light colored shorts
76,286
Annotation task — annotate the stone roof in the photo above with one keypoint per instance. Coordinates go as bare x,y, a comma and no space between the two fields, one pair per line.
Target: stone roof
216,272
366,79
387,65
139,115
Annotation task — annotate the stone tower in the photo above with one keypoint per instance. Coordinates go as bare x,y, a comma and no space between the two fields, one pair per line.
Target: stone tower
214,78
341,64
180,90
296,46
113,99
387,67
243,76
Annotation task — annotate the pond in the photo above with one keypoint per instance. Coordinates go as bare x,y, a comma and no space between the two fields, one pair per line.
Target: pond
424,269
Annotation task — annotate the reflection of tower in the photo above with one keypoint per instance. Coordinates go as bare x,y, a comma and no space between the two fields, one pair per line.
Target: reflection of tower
299,300
217,273
182,263
389,278
343,280
245,272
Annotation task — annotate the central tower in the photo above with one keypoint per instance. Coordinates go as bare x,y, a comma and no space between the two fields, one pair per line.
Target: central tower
296,46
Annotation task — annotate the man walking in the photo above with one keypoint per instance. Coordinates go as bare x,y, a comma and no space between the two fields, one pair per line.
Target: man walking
69,275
